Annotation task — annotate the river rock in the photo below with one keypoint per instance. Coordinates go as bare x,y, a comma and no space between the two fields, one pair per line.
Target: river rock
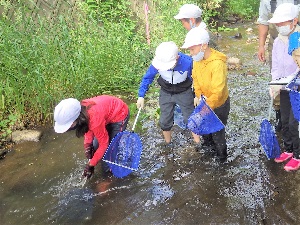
238,36
234,63
26,135
249,30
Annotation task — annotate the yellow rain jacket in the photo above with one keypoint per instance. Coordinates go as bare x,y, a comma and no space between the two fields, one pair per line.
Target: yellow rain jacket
210,79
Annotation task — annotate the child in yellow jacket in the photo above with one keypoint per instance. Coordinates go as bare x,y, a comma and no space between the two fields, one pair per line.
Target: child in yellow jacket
210,80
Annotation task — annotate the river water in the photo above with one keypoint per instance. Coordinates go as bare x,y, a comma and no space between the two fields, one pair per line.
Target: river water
40,183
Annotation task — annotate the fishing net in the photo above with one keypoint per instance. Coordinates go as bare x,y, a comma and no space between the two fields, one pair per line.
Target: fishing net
178,118
203,120
123,154
268,140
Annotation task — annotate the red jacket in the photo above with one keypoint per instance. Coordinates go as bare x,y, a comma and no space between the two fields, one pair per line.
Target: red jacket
102,110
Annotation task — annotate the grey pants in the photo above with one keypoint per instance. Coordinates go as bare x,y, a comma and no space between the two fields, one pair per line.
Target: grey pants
167,103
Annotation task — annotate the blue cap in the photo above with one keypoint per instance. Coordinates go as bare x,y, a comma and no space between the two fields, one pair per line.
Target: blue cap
294,42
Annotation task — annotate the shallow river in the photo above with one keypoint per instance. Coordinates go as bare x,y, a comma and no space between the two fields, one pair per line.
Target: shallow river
40,183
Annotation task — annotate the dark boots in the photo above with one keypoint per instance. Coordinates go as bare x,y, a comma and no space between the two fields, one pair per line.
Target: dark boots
221,153
278,124
208,145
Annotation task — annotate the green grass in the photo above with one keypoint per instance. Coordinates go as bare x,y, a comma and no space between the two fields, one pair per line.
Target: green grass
42,63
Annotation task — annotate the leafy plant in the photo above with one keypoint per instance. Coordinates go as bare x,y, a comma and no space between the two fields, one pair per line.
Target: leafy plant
6,126
246,9
104,52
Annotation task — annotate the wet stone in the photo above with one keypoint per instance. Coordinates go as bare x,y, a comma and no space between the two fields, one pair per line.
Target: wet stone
26,135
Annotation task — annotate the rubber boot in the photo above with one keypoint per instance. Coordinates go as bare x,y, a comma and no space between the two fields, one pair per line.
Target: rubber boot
208,145
278,125
221,150
207,140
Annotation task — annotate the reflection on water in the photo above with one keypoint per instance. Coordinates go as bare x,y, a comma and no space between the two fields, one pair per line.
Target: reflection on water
41,182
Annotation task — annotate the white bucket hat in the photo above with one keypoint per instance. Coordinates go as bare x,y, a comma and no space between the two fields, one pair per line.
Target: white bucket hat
65,113
188,11
196,36
284,12
165,56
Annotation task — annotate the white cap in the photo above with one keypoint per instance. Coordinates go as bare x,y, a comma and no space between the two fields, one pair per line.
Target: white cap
284,12
65,113
196,36
165,56
188,11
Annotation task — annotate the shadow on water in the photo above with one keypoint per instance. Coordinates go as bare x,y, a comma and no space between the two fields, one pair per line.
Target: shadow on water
41,182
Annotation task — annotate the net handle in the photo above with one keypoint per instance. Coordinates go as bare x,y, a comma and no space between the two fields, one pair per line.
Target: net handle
270,108
136,118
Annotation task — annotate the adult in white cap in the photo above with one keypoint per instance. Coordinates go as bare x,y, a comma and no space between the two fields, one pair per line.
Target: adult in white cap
190,16
285,18
210,80
174,69
98,119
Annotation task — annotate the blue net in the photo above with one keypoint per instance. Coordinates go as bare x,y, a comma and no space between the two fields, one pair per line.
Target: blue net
178,118
203,120
293,88
268,140
123,154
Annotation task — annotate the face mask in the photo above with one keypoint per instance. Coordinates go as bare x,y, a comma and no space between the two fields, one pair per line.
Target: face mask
284,30
199,56
192,25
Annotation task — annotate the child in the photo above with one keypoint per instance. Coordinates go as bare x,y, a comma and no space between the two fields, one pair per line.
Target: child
175,80
285,19
190,16
210,79
98,119
294,162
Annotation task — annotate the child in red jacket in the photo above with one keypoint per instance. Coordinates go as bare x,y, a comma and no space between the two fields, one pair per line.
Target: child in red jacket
98,119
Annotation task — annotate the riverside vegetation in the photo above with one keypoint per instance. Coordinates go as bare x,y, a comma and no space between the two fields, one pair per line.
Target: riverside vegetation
104,52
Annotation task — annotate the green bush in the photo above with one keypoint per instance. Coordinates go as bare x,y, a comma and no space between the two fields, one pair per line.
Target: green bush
42,64
246,9
105,52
